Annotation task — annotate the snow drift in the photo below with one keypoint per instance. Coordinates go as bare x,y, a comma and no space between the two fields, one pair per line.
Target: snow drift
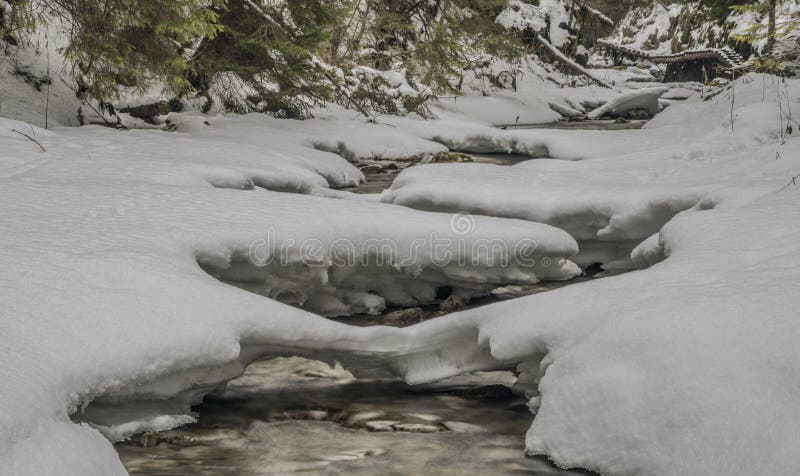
686,367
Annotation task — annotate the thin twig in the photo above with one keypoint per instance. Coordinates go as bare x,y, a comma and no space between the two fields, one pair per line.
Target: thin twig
31,139
733,97
49,83
792,181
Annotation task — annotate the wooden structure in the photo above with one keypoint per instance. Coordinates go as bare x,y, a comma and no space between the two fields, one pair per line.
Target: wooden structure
690,65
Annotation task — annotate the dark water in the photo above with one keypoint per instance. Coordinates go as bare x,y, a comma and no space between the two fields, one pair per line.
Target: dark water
587,125
297,416
378,182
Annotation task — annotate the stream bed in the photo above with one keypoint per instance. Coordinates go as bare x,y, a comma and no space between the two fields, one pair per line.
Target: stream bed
299,416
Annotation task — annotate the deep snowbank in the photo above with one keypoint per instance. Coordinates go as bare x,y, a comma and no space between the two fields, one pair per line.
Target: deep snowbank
689,366
103,297
629,184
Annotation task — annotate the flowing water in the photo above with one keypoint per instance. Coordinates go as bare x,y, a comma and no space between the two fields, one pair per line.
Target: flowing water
377,182
299,416
587,125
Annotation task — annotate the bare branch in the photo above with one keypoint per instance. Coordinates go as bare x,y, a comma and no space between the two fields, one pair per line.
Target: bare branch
31,139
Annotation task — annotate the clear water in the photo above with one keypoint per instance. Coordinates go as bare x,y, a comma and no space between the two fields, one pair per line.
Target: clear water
297,416
377,183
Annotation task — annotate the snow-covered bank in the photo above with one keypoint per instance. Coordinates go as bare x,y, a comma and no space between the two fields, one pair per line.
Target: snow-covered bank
629,183
676,369
102,294
689,367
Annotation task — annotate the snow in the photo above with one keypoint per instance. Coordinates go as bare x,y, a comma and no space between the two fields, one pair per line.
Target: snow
21,99
650,24
104,300
564,59
521,15
688,367
664,27
645,98
626,193
109,240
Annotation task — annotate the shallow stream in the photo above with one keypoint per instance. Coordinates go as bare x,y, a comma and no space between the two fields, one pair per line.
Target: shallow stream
293,415
298,416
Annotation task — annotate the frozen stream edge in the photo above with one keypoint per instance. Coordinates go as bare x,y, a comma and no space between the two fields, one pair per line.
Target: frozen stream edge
159,406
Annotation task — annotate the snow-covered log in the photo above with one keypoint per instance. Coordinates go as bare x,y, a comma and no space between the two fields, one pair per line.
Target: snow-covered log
641,99
569,63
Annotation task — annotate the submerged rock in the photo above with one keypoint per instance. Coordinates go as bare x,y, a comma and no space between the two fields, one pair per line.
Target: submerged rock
452,304
150,439
403,317
417,428
463,427
381,425
450,158
371,169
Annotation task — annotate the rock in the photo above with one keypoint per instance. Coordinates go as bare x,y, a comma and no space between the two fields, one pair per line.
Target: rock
424,416
381,425
450,158
640,113
148,112
149,439
462,427
403,317
371,169
356,419
452,304
515,291
417,428
621,120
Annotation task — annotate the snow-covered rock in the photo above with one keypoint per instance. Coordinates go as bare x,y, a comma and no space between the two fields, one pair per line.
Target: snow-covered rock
645,99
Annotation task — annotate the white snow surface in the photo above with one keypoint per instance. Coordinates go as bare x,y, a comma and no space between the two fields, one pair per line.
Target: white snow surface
645,98
633,181
521,15
689,366
103,296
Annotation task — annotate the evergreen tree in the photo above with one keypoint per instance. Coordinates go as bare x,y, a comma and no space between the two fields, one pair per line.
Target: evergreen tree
266,56
131,43
281,56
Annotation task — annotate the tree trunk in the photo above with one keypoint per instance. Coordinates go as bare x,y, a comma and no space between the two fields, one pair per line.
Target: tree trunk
771,4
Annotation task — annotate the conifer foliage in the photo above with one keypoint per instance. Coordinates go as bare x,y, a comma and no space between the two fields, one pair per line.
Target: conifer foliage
278,56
